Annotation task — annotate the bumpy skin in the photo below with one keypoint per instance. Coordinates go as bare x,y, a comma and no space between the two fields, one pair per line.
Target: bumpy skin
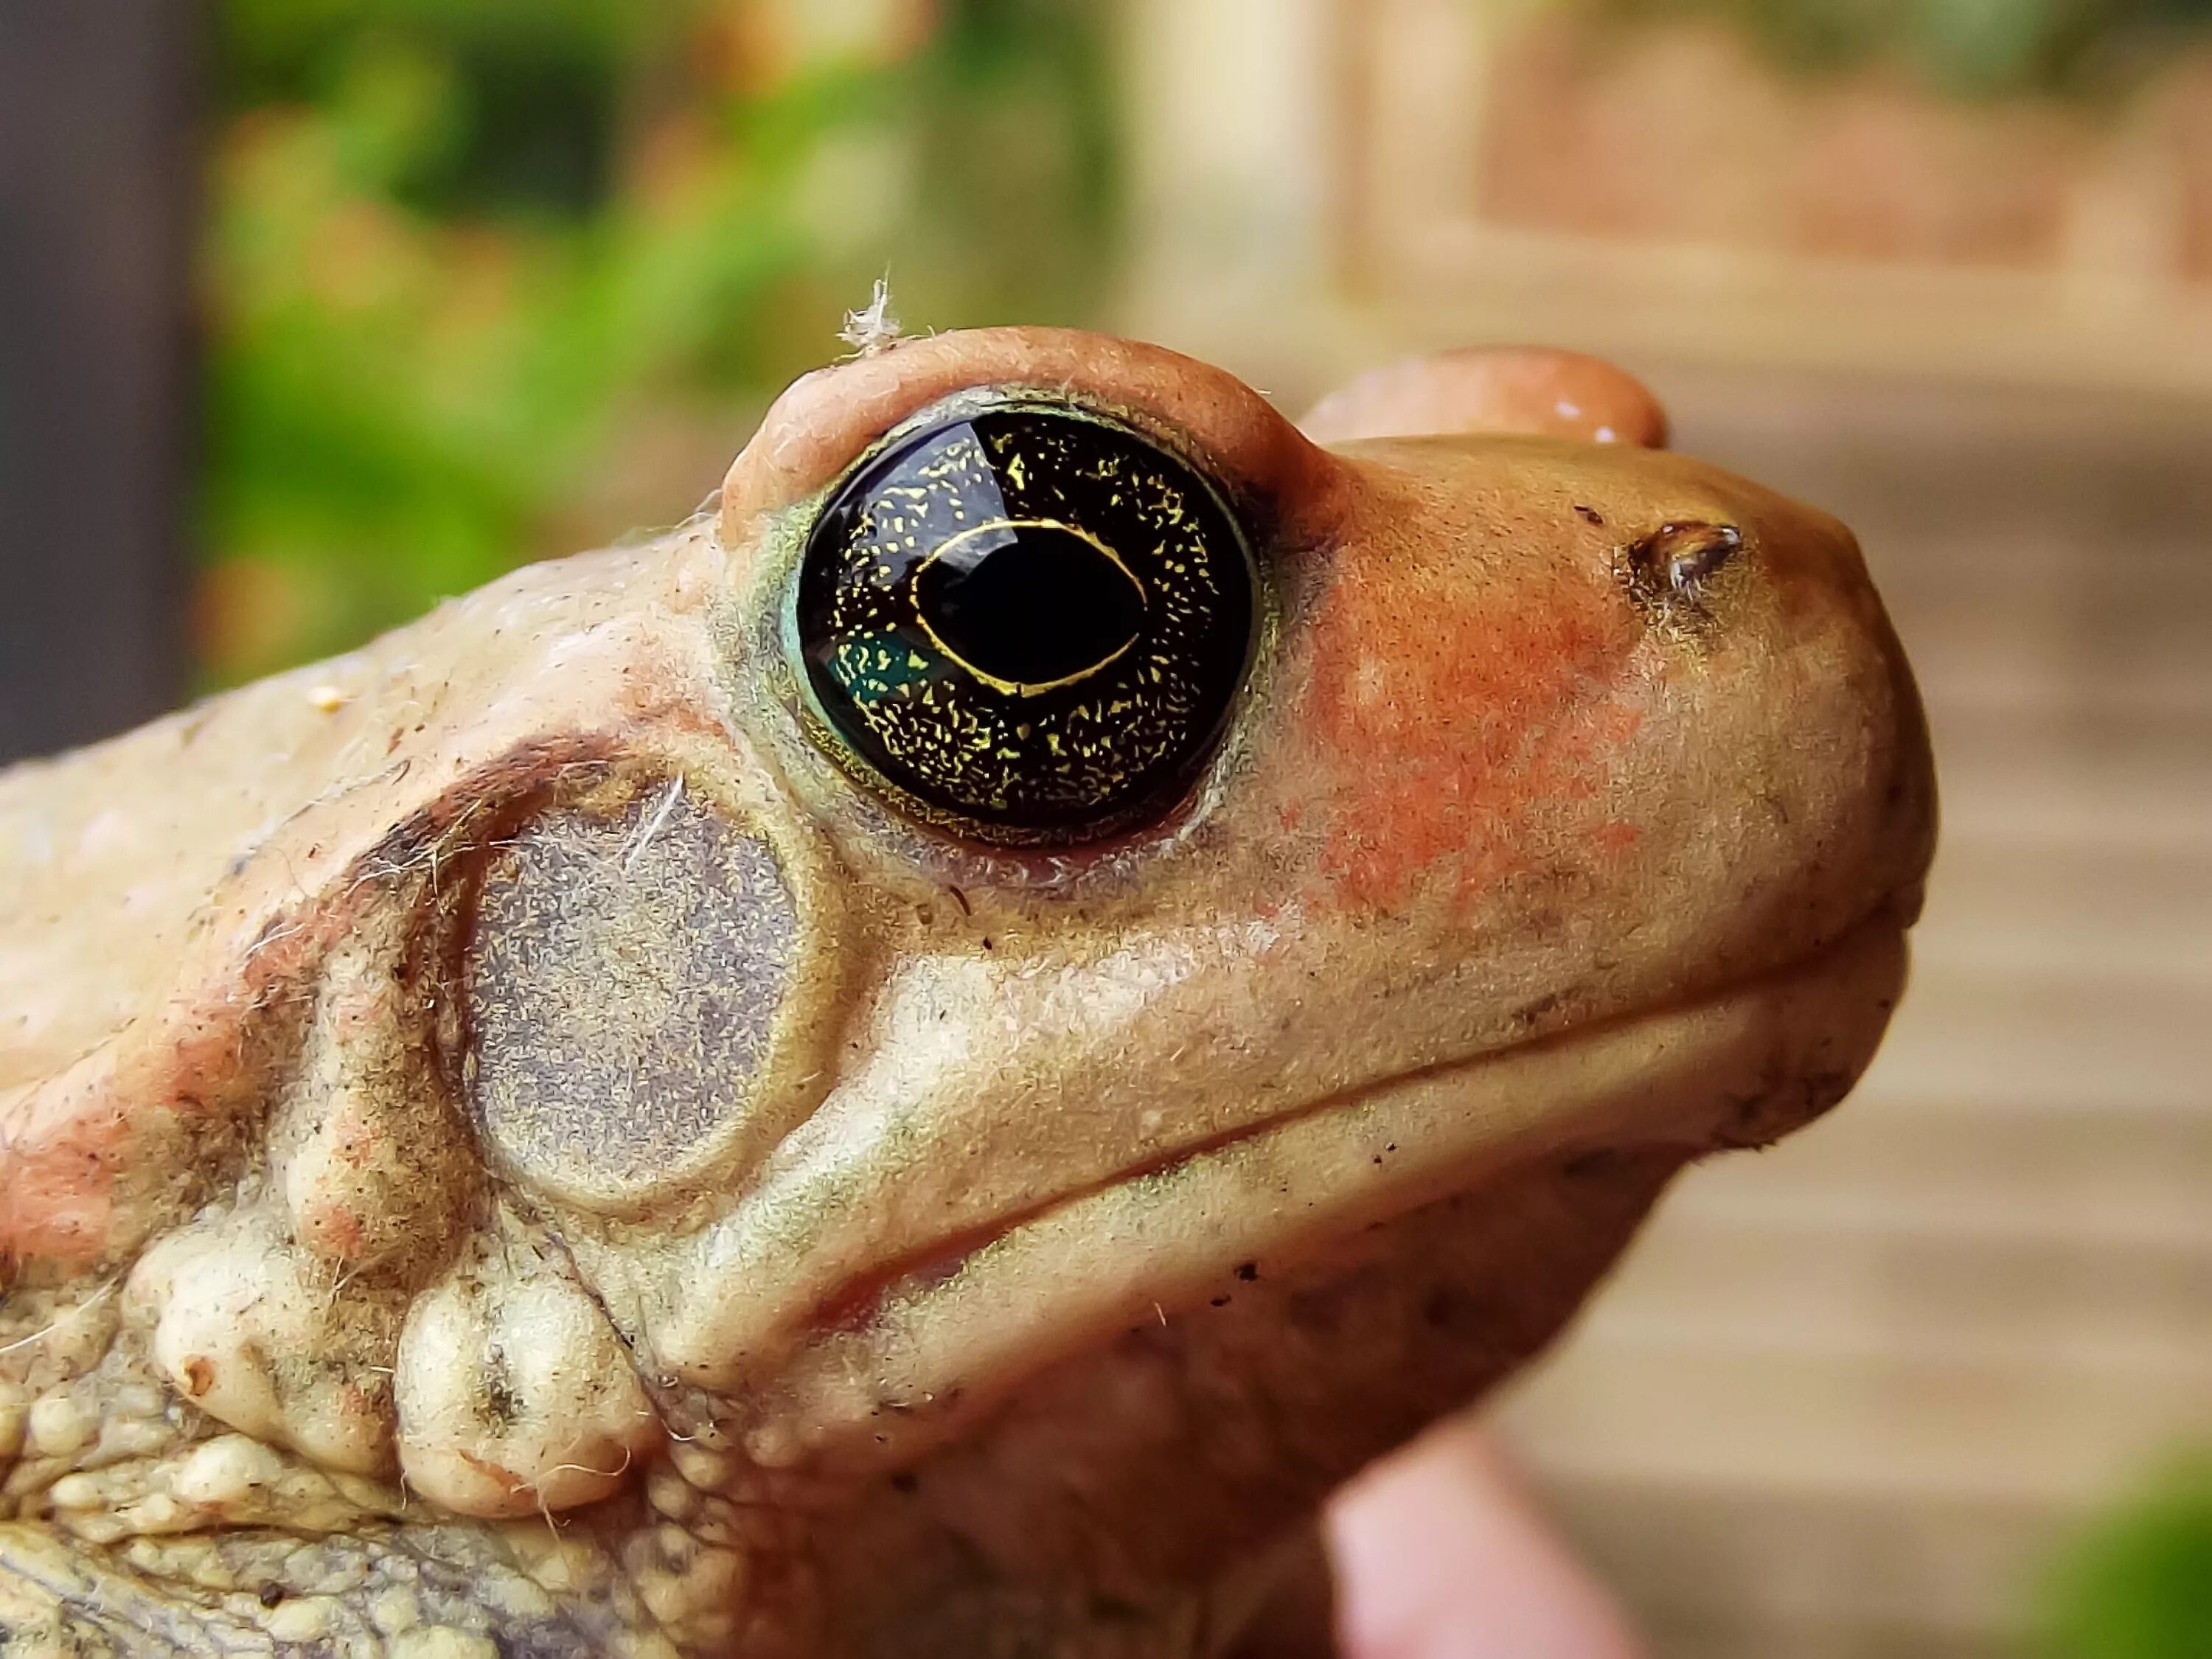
508,1148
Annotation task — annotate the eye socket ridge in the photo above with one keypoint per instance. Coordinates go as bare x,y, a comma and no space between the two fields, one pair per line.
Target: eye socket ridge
1025,621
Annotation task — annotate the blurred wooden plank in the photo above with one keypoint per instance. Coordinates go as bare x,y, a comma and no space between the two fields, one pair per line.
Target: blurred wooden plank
2131,1179
2063,655
2001,909
2051,1042
1810,1576
1669,1409
98,164
1751,1284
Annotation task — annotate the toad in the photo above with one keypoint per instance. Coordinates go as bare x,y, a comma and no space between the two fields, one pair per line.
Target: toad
923,1065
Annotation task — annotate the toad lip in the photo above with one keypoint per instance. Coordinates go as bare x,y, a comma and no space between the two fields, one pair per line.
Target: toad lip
901,1358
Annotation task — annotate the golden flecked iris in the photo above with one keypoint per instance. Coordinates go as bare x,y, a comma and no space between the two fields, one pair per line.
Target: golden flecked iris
1029,620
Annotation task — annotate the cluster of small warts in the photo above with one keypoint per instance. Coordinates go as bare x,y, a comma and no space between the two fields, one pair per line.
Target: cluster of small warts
131,1524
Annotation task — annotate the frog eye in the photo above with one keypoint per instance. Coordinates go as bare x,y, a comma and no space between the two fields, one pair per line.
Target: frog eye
1028,621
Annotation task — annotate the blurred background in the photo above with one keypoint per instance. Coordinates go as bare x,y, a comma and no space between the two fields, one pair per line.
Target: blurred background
312,312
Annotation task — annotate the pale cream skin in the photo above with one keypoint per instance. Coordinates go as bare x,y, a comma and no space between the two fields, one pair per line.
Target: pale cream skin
1084,1216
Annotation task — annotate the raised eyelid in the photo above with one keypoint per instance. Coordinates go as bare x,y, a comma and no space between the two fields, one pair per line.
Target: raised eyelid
825,422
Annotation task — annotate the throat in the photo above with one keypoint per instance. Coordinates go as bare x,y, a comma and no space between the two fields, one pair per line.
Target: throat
1150,1484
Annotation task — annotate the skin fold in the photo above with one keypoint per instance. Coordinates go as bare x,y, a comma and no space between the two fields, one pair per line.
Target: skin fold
512,1142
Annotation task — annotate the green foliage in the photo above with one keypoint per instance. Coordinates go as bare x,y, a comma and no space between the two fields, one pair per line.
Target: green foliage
458,248
2139,1586
1973,47
497,102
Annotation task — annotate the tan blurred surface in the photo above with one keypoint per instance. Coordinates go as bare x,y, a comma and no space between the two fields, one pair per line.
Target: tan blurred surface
1319,182
1846,1395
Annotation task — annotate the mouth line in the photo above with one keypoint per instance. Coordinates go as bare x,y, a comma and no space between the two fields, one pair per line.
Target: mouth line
1738,1065
855,1304
852,1305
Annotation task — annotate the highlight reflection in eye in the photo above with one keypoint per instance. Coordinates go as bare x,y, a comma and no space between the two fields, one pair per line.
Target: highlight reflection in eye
1028,621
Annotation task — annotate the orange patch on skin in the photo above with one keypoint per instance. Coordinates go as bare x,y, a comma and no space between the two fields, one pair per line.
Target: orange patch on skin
333,1231
515,1484
1617,836
69,1148
329,1222
59,1192
1449,712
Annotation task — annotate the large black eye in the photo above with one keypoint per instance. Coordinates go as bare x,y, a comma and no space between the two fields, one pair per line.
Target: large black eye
1029,621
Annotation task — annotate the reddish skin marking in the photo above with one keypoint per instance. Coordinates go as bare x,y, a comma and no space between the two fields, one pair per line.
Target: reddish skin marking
332,1226
1450,712
67,1145
81,1153
333,1232
515,1484
57,1193
63,1156
1618,837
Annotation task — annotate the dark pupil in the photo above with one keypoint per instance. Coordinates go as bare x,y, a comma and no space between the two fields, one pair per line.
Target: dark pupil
1029,623
1031,605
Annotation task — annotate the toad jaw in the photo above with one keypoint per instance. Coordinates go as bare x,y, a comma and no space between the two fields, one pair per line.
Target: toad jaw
888,1369
1567,895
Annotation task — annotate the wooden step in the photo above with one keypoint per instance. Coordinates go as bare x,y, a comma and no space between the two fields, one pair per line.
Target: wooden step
1768,1574
2090,640
1849,1428
2004,1304
2122,786
1999,909
2047,1041
1922,471
1913,1167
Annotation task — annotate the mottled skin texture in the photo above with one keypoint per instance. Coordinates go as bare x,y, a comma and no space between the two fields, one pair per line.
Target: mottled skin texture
996,1252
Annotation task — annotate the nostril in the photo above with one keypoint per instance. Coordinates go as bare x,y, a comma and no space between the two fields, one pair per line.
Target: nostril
1667,570
1690,554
